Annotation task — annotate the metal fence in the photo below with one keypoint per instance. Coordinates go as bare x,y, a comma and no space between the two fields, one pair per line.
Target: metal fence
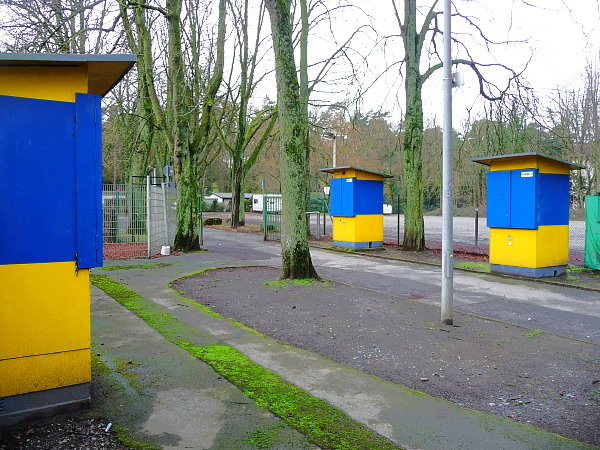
473,235
137,219
272,217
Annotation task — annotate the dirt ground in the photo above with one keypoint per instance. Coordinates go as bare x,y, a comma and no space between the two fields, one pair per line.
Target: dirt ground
68,431
546,380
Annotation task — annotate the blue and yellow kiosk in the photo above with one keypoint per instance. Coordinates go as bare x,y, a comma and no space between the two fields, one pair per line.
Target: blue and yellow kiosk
50,225
356,206
528,213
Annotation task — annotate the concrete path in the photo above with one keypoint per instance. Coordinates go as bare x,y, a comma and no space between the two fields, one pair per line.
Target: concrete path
188,392
165,396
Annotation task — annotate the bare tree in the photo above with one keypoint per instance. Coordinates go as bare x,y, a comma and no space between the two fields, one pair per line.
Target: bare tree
575,119
60,26
421,42
239,125
185,116
293,118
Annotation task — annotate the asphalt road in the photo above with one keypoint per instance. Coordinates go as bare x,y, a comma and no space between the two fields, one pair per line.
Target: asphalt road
562,310
464,231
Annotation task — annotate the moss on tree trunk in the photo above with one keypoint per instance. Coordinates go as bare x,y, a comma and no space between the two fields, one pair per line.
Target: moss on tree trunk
296,260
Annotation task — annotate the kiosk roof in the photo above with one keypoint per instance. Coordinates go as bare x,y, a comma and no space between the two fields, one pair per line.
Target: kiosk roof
339,168
490,160
104,71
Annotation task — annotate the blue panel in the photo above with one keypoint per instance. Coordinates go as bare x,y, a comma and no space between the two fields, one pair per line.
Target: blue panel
523,198
553,200
539,272
88,144
348,207
37,217
335,197
368,197
357,245
498,199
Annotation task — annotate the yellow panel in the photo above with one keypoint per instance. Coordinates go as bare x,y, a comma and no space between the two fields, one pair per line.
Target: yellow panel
547,246
343,229
553,245
530,162
358,174
45,308
36,373
513,247
367,228
45,83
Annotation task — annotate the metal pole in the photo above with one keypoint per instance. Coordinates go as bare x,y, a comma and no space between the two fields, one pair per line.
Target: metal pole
334,150
324,215
117,192
264,199
265,217
477,226
447,183
148,214
201,228
398,212
164,193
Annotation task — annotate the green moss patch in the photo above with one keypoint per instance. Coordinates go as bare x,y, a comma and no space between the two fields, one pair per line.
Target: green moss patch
263,438
284,284
161,321
474,265
124,437
534,333
323,424
156,265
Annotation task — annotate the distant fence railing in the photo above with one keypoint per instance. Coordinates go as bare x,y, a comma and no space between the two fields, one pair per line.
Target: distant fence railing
466,239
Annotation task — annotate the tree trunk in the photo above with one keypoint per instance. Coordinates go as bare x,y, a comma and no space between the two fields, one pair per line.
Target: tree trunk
296,260
236,193
186,236
414,233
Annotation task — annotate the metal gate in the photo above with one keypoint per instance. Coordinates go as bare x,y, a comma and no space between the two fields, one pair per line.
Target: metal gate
136,219
272,217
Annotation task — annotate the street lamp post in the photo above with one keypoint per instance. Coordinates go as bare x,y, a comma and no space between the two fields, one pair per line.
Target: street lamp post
447,200
329,135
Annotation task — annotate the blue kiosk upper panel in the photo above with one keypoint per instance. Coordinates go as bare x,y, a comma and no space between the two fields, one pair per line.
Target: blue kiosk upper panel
527,199
351,197
51,160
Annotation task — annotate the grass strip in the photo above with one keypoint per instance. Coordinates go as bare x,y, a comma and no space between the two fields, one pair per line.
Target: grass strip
324,425
156,265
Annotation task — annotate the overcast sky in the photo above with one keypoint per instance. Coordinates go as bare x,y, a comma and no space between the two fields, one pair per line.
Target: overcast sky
561,36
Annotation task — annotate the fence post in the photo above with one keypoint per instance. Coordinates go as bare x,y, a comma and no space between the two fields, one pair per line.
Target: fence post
324,214
319,225
117,192
264,217
148,214
398,213
477,226
164,193
201,221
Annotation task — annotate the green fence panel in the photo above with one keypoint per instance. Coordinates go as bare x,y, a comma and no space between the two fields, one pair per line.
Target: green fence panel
592,232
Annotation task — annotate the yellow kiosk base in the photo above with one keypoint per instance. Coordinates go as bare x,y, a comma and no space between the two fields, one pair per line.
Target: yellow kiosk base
543,252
